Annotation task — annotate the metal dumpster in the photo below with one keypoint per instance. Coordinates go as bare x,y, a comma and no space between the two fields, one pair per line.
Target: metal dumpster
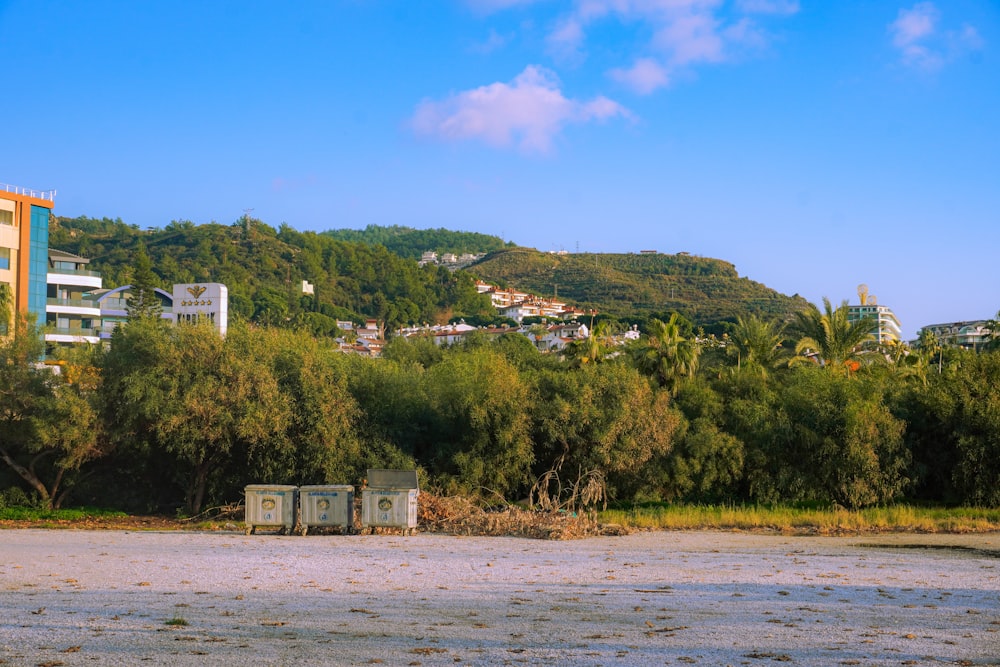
322,506
390,500
270,505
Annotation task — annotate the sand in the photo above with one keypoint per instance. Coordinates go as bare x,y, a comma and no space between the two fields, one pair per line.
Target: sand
72,597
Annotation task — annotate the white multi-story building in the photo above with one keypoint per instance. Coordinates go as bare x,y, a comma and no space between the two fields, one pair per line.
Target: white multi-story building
971,335
887,327
71,316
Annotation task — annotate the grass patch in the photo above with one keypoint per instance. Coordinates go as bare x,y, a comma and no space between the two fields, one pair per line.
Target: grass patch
72,514
795,519
176,620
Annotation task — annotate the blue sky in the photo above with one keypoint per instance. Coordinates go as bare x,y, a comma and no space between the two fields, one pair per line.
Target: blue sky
816,145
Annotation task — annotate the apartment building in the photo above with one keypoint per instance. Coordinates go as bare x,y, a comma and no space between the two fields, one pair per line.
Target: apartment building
886,327
72,315
24,247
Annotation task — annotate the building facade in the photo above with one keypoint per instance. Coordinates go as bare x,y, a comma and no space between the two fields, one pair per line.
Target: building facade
71,313
969,335
886,325
24,247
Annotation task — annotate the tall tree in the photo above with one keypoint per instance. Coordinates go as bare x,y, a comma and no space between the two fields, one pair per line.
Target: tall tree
831,334
6,305
194,399
48,426
593,349
993,337
143,302
756,343
666,354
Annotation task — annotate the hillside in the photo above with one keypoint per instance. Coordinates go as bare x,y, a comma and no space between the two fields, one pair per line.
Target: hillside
264,269
412,243
627,285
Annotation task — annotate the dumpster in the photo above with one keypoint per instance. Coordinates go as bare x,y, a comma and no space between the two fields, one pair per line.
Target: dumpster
322,506
390,500
271,506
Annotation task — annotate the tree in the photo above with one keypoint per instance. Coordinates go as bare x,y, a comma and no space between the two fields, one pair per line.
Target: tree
969,405
847,445
756,343
594,348
993,337
831,334
320,444
6,306
143,303
666,354
479,406
193,399
48,427
603,418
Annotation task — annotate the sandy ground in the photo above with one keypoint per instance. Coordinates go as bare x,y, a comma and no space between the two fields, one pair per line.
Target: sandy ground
175,598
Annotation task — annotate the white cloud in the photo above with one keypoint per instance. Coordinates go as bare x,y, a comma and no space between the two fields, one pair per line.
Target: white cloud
914,25
780,7
684,33
528,113
644,77
691,37
493,42
489,6
923,45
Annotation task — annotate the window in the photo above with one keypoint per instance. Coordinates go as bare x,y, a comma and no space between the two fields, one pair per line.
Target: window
6,217
4,257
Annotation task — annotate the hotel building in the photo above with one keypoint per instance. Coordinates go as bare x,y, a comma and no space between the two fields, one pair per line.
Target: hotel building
24,247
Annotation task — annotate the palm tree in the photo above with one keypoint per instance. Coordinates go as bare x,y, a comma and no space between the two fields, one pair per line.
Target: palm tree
993,337
831,335
756,343
666,354
592,349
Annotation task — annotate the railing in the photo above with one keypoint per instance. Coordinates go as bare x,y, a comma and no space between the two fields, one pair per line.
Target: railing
74,272
48,195
72,331
76,303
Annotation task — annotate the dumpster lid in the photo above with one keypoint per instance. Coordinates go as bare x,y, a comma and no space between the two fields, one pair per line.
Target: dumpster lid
394,479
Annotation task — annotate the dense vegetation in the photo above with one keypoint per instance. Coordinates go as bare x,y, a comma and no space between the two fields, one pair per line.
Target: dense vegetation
373,273
790,404
177,418
413,243
263,269
704,290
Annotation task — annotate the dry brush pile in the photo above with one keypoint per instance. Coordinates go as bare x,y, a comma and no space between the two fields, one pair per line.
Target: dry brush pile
458,515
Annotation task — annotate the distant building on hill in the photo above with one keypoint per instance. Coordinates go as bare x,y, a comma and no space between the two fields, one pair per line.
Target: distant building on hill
970,335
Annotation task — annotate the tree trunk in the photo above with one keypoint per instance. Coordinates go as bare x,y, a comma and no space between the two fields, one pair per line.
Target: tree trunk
197,494
29,476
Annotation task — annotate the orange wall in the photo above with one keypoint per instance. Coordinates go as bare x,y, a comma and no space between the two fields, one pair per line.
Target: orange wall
22,220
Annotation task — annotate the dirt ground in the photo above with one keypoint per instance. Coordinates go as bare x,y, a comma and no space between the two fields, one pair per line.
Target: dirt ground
126,597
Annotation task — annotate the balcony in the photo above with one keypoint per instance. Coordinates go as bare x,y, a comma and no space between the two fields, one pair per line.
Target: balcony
76,303
49,195
72,331
72,272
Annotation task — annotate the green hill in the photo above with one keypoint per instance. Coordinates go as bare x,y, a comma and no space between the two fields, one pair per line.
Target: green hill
412,243
264,269
704,290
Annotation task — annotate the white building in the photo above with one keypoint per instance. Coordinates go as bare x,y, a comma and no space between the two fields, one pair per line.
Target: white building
971,335
71,316
886,328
